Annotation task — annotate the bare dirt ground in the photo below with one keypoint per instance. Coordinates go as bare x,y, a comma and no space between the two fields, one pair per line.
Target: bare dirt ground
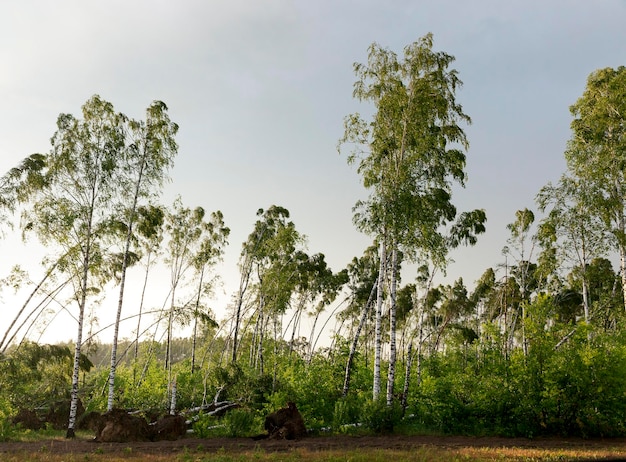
317,443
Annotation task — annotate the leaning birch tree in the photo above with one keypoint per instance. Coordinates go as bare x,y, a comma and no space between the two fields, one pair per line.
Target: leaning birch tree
148,155
409,155
72,209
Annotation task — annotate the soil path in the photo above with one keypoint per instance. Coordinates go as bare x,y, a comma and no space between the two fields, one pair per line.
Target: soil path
234,445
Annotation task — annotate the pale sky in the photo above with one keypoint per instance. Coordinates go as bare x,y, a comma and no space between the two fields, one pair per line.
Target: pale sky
260,90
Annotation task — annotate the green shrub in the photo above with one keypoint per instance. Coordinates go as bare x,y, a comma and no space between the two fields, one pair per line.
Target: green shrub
236,423
7,429
347,413
207,425
241,423
378,417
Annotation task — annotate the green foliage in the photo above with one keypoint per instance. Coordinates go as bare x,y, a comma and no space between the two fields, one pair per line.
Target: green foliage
378,417
34,375
242,423
7,429
237,423
348,412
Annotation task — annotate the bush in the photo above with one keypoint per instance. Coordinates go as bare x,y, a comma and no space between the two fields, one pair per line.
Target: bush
236,423
347,412
378,417
206,425
7,429
241,423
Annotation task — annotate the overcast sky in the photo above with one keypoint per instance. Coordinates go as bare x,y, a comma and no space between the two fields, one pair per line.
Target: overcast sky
260,89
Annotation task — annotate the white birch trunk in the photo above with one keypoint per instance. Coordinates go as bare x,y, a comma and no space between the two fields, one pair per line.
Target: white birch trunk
173,398
75,376
622,261
378,329
79,335
407,377
120,302
391,374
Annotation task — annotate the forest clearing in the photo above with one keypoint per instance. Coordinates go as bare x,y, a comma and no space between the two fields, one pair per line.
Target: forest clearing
530,363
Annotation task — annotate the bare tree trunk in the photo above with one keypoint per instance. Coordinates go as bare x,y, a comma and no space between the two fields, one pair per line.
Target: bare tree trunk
170,324
3,346
275,362
120,302
141,301
296,322
311,342
195,323
173,398
420,342
79,335
378,328
355,341
391,375
168,350
40,306
243,286
622,261
321,331
407,377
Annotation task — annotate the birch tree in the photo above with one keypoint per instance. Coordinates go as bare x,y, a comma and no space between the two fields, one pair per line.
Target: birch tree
362,284
209,253
268,265
410,154
72,209
188,233
150,222
597,152
148,155
580,236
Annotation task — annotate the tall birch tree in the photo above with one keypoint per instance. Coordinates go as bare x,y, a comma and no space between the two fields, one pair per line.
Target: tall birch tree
188,234
72,209
410,154
597,151
148,155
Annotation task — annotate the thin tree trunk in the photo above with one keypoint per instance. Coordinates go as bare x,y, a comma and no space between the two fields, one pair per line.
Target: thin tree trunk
378,328
355,341
120,301
622,260
321,331
79,334
168,351
585,297
391,375
311,342
260,359
195,323
275,362
407,377
296,323
243,286
420,342
49,298
28,299
141,301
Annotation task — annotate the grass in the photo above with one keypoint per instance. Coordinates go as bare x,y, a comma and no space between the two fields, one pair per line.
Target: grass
51,440
430,454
